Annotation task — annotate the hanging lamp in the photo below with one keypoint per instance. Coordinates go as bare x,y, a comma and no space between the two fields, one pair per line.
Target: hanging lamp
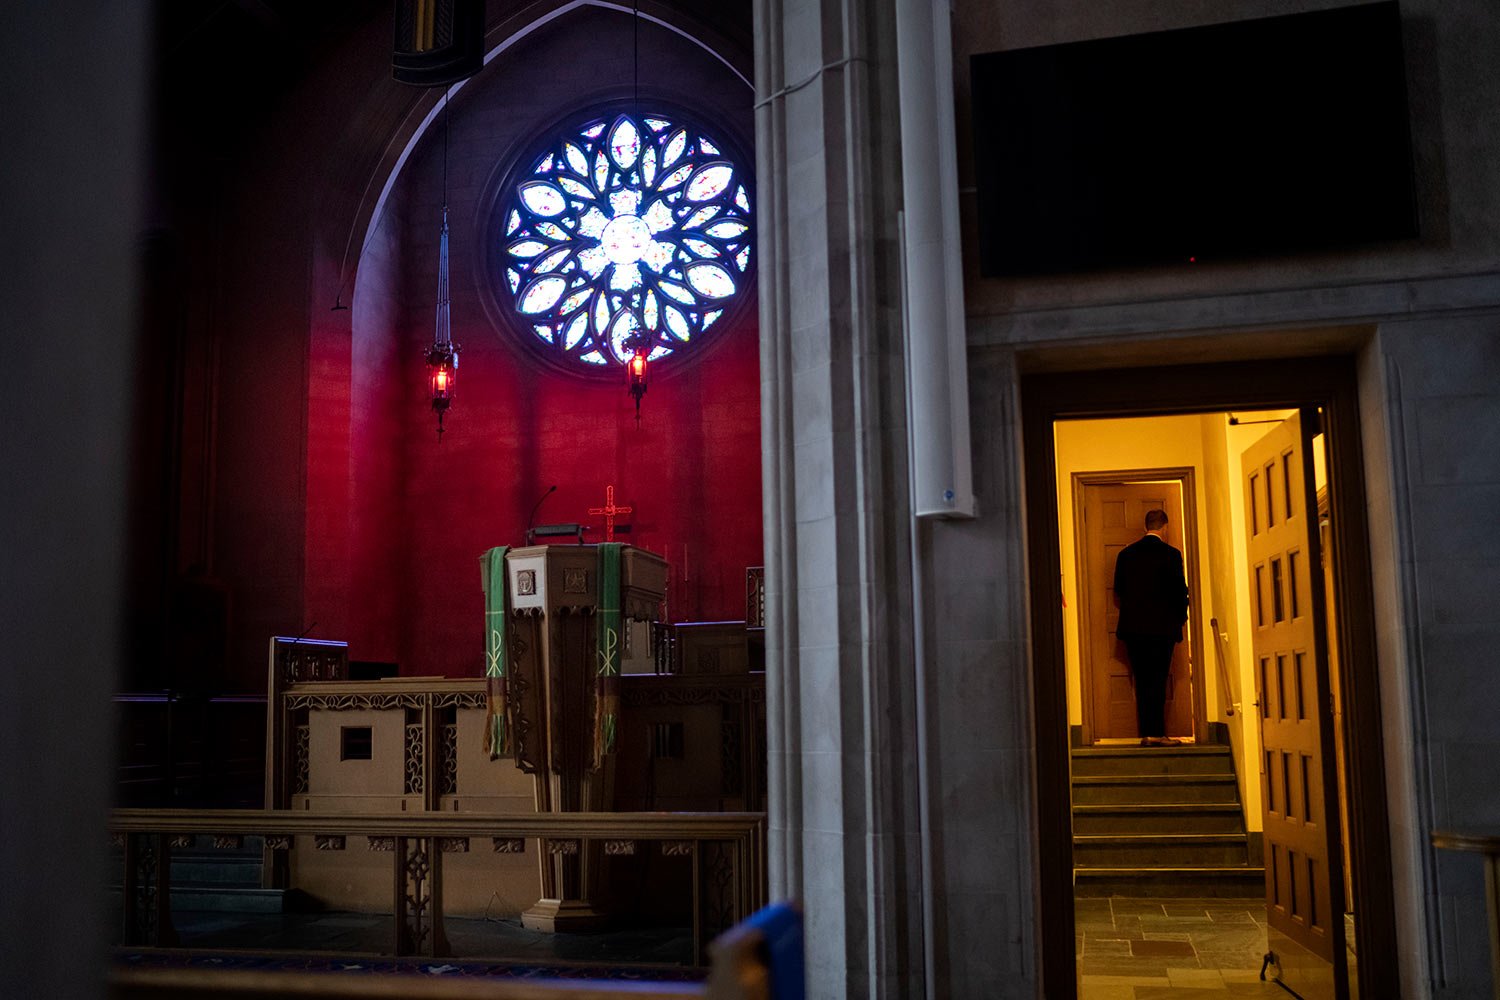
635,377
442,356
638,343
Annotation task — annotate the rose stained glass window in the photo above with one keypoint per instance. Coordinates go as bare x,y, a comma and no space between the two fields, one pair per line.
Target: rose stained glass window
631,227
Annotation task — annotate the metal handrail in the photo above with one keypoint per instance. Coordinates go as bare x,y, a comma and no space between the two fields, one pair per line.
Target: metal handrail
1221,640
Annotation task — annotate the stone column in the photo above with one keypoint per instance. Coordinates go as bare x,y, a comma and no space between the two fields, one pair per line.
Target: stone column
842,755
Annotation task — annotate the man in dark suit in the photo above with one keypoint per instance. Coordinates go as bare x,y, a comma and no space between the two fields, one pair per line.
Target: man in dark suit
1151,593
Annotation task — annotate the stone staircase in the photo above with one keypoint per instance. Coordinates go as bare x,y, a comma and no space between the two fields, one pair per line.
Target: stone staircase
1160,821
227,880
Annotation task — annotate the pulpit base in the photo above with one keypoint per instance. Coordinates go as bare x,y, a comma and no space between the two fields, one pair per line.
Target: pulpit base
562,916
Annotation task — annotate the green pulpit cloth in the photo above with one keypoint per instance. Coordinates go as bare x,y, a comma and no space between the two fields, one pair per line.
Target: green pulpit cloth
496,699
607,684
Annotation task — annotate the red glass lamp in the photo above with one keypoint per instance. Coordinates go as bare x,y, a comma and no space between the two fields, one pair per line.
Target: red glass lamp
635,378
442,376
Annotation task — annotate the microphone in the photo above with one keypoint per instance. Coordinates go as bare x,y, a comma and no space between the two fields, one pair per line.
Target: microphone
537,506
303,635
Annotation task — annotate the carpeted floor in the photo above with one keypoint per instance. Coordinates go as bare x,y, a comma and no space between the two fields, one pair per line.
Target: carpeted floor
358,942
181,958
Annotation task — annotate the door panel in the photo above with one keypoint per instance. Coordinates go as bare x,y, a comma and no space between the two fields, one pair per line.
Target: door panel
1303,862
1113,517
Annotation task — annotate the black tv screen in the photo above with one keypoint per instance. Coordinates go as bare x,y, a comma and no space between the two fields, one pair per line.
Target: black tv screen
1232,141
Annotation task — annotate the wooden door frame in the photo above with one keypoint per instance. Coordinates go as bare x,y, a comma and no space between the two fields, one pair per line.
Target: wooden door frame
1329,382
1184,477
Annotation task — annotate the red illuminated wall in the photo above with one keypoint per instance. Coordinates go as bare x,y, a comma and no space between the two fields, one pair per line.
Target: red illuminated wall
395,520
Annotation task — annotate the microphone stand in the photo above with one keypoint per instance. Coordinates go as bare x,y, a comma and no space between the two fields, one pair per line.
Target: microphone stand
530,518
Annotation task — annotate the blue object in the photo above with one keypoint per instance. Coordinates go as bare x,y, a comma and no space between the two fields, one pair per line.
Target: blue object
780,924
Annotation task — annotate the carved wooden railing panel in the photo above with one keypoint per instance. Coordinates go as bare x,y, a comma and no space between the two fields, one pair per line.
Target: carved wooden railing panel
727,851
755,597
665,653
146,895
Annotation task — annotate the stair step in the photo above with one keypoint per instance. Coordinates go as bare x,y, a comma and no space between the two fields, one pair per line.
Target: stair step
1218,882
1154,789
1172,850
1152,760
1156,818
227,899
230,870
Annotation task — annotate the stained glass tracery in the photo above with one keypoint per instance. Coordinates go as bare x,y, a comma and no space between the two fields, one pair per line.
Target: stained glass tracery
630,226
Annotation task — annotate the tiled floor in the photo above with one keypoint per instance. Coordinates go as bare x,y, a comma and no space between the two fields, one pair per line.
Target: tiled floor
1171,949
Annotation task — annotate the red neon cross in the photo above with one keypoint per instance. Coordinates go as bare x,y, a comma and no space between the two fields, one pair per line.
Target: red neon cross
609,510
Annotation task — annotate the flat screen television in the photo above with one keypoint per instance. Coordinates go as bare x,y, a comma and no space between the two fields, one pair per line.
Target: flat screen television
1250,139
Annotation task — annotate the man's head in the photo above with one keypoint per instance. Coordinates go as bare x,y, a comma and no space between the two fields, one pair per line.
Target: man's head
1156,520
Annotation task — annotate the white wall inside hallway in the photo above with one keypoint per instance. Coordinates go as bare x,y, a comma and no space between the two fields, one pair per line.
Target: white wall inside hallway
1115,445
1211,446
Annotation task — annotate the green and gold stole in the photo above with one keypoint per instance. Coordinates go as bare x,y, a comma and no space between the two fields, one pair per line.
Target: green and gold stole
496,698
610,621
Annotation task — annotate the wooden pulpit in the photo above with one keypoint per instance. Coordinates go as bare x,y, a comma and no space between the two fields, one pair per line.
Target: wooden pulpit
559,706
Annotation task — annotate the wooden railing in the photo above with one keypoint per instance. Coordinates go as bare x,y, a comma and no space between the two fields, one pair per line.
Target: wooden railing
727,852
1485,843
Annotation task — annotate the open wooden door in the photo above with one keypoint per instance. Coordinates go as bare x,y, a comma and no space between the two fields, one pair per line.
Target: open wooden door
1304,872
1114,515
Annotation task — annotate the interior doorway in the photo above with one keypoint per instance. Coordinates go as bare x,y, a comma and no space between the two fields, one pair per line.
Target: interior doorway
1270,674
1109,508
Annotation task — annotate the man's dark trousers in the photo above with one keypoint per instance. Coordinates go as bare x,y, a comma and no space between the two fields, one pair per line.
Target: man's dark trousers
1150,662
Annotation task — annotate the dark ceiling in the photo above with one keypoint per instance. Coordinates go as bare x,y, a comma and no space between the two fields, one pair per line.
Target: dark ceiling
225,63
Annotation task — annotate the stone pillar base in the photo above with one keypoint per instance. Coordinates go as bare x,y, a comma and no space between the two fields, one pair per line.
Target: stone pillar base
562,915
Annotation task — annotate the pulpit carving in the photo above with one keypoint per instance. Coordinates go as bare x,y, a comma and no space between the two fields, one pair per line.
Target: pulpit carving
449,783
458,699
301,760
565,613
353,702
415,758
524,634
